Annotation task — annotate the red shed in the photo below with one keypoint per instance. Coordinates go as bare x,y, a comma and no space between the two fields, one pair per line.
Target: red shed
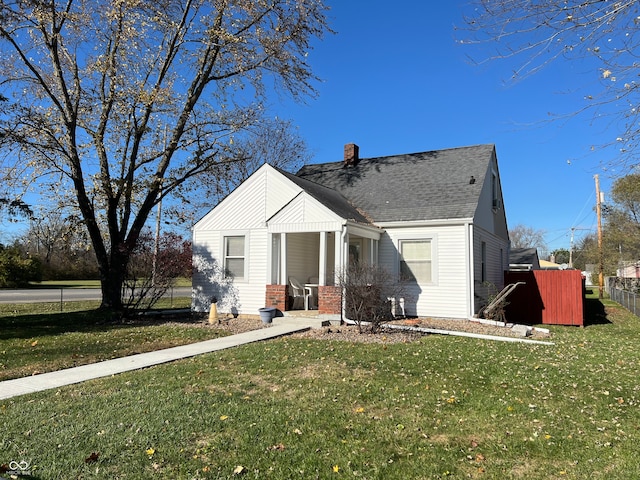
552,297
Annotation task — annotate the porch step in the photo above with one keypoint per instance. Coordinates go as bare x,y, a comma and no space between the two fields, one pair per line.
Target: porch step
301,313
314,321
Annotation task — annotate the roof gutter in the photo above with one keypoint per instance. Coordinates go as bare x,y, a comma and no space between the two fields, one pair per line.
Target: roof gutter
426,223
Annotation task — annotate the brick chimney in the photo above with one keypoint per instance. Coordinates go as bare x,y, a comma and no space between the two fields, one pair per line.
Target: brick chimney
351,154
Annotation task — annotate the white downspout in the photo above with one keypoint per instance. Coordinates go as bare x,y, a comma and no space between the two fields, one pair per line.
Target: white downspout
342,251
344,257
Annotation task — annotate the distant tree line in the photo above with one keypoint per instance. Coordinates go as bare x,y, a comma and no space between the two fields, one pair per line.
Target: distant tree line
56,248
16,268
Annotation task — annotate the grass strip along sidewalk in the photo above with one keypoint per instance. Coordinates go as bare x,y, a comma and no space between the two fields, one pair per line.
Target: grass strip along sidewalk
34,338
438,407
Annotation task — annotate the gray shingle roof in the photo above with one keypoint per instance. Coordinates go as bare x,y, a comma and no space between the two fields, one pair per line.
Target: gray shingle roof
410,187
329,198
523,256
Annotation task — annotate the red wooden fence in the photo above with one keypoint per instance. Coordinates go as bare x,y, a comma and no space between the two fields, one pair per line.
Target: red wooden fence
553,297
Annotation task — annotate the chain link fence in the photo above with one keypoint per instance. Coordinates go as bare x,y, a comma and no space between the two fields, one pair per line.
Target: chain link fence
629,300
625,291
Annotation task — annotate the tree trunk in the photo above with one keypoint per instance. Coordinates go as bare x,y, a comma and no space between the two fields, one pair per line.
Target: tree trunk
112,278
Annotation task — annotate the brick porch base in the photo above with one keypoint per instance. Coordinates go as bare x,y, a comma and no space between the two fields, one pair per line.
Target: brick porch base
329,298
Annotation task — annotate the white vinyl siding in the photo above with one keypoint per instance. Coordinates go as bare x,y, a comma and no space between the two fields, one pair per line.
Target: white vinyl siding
245,212
447,293
268,206
490,259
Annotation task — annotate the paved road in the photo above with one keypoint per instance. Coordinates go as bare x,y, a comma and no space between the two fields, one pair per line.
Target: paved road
67,294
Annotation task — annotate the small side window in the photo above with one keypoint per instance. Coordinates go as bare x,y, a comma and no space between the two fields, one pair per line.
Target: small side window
234,257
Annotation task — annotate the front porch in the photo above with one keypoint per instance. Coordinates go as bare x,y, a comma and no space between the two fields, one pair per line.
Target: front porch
304,267
328,302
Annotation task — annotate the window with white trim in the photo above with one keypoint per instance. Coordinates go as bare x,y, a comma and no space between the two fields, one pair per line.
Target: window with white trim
483,261
416,263
234,257
494,191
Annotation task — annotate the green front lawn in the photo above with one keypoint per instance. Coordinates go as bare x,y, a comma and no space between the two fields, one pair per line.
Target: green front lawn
36,338
442,407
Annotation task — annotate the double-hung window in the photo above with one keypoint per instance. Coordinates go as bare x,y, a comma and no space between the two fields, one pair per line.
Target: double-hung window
234,257
416,262
483,261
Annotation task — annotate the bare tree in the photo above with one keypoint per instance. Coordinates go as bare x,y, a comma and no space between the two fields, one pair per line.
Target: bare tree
152,271
370,295
114,105
274,141
534,34
522,236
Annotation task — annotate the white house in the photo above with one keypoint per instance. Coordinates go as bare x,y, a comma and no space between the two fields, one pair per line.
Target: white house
438,214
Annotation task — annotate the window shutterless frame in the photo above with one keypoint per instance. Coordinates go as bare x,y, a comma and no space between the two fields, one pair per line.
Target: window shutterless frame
235,256
416,260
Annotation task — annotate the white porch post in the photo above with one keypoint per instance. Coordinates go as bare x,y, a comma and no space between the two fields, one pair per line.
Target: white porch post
339,242
322,268
373,252
283,259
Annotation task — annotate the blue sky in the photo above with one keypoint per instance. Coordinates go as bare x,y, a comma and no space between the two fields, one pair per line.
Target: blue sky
396,81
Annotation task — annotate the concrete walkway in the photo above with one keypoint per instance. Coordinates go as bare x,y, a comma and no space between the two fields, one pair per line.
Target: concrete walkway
60,378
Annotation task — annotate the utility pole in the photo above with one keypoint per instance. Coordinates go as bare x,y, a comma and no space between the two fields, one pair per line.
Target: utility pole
571,249
156,246
600,254
571,242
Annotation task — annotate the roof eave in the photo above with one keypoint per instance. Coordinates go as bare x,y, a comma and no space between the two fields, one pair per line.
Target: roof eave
426,223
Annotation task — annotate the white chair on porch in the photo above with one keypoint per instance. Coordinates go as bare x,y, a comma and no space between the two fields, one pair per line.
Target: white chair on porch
299,295
311,289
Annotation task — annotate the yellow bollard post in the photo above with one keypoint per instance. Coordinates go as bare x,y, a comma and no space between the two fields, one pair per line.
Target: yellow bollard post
213,311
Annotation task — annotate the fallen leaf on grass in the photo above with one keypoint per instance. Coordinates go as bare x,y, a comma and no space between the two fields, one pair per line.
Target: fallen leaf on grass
239,470
34,343
92,458
279,447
